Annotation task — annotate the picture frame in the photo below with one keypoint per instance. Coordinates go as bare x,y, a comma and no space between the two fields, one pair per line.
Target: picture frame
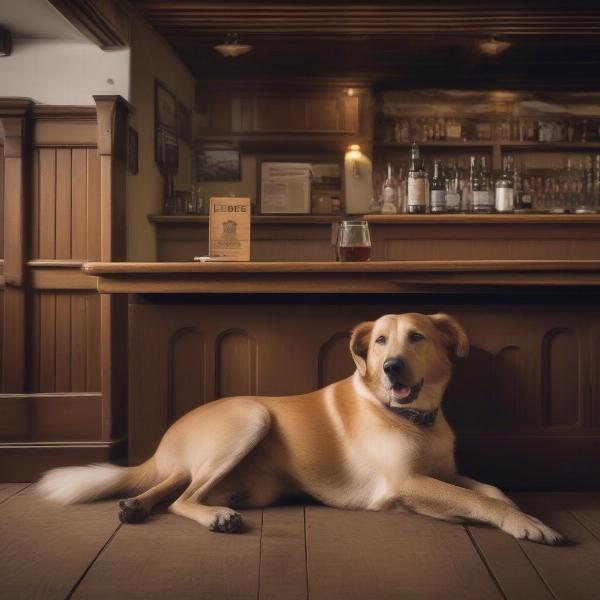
165,110
132,151
184,123
218,164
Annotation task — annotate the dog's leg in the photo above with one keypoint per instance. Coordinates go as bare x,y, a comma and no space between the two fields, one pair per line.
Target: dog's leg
135,510
226,453
485,489
443,500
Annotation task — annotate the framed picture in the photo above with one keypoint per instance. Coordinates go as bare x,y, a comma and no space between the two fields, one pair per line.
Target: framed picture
184,123
132,151
165,107
218,164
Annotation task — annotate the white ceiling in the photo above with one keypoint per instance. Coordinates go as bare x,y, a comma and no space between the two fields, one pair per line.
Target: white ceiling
36,19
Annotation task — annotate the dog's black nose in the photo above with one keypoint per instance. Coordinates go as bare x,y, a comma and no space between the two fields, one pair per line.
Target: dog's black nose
393,367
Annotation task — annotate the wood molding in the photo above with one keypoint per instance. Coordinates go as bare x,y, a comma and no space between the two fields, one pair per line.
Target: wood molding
104,22
15,126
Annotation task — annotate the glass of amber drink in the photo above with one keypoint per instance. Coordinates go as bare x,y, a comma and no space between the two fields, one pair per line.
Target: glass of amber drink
354,241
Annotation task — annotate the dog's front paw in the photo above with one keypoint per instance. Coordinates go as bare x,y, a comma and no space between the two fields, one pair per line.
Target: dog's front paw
526,527
226,520
132,510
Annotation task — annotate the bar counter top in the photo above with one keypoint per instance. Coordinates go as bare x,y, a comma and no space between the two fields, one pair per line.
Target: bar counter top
337,277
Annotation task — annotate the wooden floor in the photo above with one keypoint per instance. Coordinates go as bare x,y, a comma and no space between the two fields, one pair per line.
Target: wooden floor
294,552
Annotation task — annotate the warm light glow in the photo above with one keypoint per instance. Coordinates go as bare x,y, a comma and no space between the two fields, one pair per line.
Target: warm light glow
350,91
494,47
354,148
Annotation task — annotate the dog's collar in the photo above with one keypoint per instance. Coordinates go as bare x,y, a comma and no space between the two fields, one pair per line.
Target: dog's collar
423,418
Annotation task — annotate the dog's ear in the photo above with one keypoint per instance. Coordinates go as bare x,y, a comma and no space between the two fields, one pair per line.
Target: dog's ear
359,345
453,332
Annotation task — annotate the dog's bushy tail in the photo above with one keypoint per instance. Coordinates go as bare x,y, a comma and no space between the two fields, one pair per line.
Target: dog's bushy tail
69,485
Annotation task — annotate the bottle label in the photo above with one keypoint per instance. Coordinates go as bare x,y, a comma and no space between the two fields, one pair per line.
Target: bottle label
452,201
526,201
438,199
416,192
505,200
482,199
388,194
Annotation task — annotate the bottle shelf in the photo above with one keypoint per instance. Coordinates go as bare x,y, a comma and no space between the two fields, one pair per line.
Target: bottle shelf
503,145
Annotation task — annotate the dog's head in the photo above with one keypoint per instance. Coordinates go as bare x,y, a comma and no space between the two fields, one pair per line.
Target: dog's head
405,359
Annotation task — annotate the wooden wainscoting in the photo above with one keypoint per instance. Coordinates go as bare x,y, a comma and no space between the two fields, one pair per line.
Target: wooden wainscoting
525,404
55,407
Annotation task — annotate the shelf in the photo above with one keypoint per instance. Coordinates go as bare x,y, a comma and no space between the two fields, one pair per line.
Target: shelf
484,219
505,144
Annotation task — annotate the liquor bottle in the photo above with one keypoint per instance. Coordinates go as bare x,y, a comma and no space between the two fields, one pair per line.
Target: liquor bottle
505,200
452,198
486,173
438,189
401,191
595,204
525,196
467,187
389,193
416,201
482,201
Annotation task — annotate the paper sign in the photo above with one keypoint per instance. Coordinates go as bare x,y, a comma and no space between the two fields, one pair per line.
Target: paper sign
285,188
229,228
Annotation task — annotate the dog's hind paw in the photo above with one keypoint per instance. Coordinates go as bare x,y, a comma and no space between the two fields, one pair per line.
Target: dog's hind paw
132,510
226,521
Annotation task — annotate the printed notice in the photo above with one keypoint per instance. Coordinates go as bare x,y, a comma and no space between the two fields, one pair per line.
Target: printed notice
229,229
285,188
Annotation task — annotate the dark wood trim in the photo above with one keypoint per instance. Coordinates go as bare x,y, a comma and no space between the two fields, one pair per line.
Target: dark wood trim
256,219
113,114
104,22
27,461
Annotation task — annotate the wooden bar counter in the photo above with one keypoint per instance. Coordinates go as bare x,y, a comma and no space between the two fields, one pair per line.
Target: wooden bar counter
525,404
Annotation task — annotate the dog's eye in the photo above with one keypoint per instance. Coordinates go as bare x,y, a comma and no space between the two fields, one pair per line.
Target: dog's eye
415,336
380,340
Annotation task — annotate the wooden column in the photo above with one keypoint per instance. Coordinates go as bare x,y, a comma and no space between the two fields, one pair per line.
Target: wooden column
112,114
14,122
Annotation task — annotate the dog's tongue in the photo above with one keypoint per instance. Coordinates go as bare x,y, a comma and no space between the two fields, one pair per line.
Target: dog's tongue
401,391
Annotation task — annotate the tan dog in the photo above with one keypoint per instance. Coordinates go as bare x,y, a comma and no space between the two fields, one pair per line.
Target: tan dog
354,444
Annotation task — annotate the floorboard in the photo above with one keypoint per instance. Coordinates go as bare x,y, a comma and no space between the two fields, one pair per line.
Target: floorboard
10,489
283,554
361,555
172,557
584,507
44,548
571,571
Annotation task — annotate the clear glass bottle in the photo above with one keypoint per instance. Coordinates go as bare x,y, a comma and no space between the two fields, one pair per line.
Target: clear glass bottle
389,193
482,201
505,191
467,187
438,189
452,197
416,200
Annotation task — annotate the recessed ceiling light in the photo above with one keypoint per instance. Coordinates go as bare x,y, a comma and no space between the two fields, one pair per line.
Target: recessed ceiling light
493,46
231,47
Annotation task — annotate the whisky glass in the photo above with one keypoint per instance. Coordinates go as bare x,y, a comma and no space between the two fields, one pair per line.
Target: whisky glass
354,241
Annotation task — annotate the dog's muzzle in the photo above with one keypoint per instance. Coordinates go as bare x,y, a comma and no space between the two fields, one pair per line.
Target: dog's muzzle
405,394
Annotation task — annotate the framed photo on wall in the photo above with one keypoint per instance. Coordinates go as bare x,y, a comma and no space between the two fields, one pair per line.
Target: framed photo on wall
165,107
184,123
218,164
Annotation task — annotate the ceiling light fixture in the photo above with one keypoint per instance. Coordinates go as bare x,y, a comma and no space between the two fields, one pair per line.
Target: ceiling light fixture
231,47
494,46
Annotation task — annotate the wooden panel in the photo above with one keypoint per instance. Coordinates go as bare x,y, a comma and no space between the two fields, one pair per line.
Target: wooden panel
1,201
45,418
322,114
235,352
47,206
65,342
346,551
334,361
63,203
205,565
7,490
79,201
187,373
560,373
59,544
